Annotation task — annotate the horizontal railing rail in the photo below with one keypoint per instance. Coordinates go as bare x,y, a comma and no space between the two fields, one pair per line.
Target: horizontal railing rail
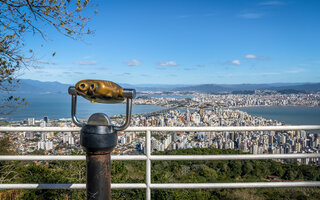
148,158
168,185
166,157
171,129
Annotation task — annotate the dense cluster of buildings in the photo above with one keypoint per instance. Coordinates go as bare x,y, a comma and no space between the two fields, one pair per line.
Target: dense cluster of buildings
192,115
260,98
48,142
255,142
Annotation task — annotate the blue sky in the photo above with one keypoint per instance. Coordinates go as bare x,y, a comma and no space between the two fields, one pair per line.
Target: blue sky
187,42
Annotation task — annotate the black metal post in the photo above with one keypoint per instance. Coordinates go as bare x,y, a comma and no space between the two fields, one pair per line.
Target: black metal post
98,176
99,137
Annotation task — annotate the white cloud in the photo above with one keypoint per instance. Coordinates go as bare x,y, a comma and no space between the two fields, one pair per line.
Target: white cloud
271,3
45,62
295,71
40,62
251,15
251,56
125,74
169,63
183,16
235,62
38,67
266,73
133,62
92,62
103,68
264,58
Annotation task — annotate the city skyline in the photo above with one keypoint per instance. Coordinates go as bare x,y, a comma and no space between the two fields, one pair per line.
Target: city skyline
186,42
255,142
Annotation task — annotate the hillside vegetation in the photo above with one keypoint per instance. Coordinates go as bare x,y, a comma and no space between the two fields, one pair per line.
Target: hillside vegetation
165,172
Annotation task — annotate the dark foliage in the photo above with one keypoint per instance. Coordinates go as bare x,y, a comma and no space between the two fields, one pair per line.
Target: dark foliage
170,172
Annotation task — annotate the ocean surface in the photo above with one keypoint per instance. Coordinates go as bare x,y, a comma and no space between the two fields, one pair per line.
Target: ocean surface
293,115
57,106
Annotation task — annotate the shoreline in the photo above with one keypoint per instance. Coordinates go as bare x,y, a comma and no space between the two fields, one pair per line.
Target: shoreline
253,106
4,119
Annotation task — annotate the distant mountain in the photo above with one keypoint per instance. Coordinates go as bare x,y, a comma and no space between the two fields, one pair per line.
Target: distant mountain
226,88
153,87
257,86
28,86
309,87
206,88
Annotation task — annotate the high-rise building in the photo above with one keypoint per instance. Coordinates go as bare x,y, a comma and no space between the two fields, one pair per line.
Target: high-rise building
255,148
46,119
29,135
283,139
30,121
298,147
232,136
201,111
43,136
271,137
48,145
41,145
71,140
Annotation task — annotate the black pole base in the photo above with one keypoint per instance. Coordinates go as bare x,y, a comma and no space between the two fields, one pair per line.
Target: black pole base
98,139
98,176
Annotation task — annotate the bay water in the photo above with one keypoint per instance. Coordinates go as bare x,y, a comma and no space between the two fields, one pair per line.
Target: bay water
57,106
293,115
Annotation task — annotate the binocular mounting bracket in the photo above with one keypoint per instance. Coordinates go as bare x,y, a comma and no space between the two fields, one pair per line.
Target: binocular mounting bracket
98,118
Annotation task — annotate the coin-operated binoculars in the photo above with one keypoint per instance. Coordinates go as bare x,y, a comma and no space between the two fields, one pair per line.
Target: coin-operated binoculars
98,137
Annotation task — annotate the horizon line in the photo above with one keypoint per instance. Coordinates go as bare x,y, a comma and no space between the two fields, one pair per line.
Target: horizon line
186,83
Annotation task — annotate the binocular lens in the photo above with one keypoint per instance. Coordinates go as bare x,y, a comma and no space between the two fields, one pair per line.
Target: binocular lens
82,86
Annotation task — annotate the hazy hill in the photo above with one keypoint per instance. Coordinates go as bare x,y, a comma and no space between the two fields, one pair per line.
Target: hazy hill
309,87
38,87
206,88
224,88
28,86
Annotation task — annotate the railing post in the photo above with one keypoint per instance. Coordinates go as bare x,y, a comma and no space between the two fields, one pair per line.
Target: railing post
148,165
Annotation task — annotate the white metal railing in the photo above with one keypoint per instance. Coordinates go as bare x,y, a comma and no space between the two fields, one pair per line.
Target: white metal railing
148,158
173,129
